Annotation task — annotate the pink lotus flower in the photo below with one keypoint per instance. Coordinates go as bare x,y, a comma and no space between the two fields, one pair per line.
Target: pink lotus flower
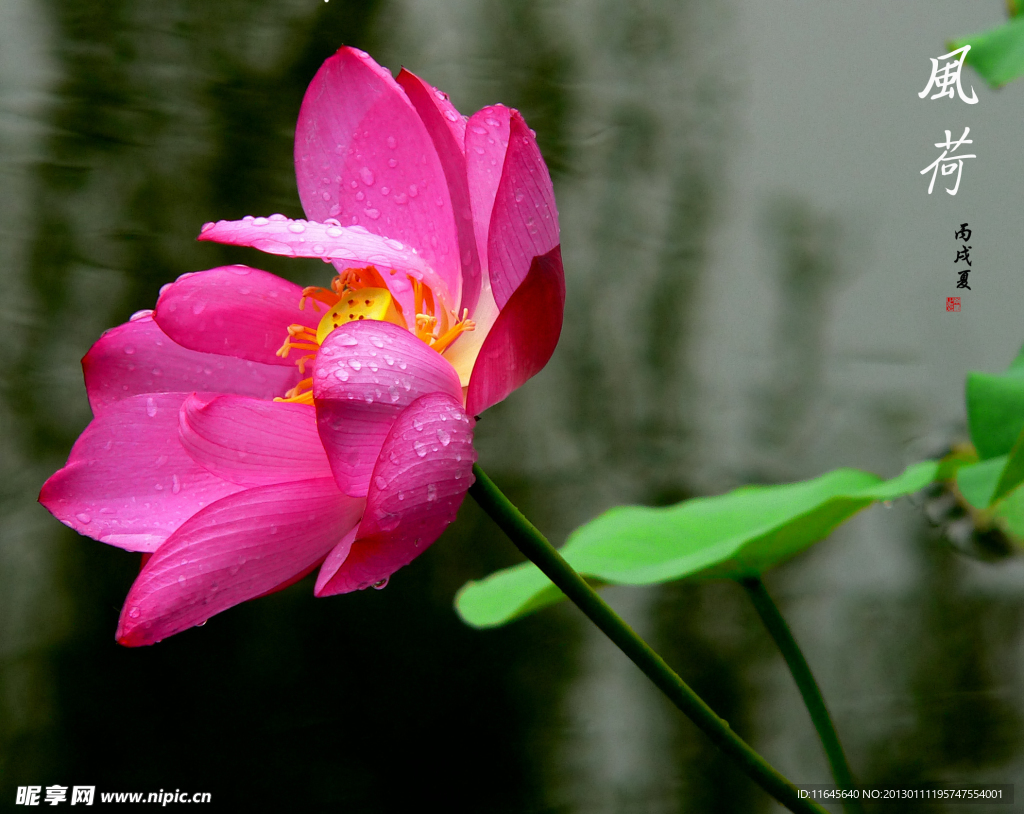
248,431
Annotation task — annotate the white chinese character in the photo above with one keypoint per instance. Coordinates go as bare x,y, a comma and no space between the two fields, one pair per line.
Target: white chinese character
83,794
56,794
947,76
28,795
949,162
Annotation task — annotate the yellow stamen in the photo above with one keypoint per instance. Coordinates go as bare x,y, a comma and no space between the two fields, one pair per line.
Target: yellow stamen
301,398
302,393
316,294
417,292
444,340
425,327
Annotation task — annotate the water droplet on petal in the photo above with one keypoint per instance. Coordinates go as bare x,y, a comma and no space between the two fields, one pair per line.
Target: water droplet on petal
388,522
417,425
181,579
129,350
420,448
451,115
366,174
520,195
380,483
381,584
355,364
134,613
376,341
150,407
391,142
342,374
444,437
413,190
83,517
296,227
372,214
176,484
431,491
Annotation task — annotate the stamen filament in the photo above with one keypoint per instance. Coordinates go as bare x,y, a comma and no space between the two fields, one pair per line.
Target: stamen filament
442,342
316,294
302,398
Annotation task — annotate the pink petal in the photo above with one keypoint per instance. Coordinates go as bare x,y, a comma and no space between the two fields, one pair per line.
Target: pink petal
233,311
365,375
334,561
128,482
434,109
235,549
363,156
523,336
524,221
447,129
418,484
486,143
292,579
350,247
138,357
251,442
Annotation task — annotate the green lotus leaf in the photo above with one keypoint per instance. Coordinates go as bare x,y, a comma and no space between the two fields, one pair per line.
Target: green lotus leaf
998,54
741,533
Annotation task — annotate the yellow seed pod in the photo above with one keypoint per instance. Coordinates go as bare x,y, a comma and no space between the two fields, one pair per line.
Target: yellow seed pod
362,303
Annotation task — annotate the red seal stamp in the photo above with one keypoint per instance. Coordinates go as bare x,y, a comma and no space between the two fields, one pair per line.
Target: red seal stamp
952,303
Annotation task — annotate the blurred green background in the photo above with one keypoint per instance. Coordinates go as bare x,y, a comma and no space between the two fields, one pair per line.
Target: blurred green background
756,288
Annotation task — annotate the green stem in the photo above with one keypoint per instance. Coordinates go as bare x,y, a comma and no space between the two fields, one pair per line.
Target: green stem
544,555
809,690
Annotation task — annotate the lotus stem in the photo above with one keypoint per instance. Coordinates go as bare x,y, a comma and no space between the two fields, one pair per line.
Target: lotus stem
536,547
809,690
